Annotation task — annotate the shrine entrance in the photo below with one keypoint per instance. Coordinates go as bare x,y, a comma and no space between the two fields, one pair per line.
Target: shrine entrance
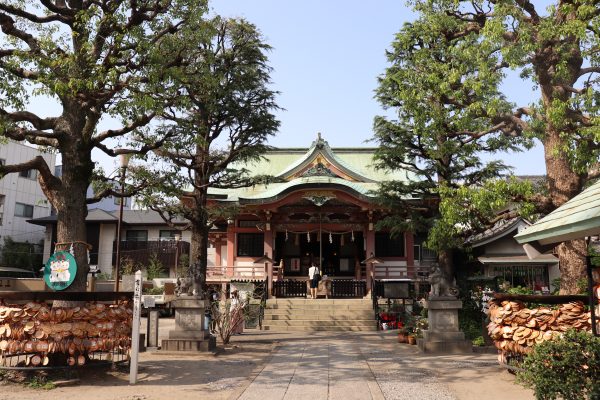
340,252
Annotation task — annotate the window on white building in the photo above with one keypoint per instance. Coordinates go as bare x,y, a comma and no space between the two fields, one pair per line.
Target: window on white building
23,210
29,174
168,234
136,236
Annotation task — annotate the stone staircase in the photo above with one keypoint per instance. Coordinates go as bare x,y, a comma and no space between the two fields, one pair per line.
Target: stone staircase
319,315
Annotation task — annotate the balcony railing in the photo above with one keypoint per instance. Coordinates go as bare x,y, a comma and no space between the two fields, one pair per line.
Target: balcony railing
418,273
236,272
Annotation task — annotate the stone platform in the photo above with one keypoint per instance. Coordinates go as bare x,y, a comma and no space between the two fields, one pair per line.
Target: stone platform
444,335
189,334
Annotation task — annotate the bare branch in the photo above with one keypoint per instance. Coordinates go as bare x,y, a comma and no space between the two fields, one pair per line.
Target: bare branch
46,178
588,70
142,150
141,121
33,119
32,17
7,24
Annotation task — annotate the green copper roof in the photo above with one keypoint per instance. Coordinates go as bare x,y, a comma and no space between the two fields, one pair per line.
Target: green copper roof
577,218
358,163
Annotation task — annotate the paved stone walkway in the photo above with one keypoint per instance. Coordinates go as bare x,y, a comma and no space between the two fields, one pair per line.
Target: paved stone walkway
319,369
374,366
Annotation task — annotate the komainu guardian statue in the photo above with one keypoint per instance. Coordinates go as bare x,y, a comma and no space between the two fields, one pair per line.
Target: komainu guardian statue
441,285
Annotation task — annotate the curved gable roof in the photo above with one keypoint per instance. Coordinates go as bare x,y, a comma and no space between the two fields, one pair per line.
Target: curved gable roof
320,148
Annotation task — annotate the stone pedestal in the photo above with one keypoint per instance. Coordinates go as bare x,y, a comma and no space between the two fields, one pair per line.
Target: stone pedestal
189,334
443,335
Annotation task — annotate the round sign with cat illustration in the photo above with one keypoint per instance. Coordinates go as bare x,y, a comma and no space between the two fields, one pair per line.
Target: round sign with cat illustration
60,270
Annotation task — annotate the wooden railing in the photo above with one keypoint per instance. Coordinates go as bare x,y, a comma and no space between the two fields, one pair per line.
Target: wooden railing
418,273
348,288
239,272
289,288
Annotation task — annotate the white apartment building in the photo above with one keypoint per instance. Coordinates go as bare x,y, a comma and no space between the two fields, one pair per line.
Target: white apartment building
21,197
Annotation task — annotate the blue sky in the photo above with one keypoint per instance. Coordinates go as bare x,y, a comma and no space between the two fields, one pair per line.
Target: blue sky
326,58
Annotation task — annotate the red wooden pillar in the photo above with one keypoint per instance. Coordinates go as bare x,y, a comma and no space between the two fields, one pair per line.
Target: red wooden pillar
268,247
230,249
218,248
409,241
370,250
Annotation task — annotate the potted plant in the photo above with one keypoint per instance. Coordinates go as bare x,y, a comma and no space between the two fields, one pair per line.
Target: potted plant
409,325
411,338
403,332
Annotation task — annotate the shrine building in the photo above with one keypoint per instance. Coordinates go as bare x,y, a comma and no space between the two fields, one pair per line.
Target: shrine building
321,210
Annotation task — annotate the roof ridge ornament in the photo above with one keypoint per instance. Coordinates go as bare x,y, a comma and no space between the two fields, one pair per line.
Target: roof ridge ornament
319,169
321,143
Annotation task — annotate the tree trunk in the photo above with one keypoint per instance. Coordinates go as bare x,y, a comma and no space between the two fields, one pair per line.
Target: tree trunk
564,184
199,256
72,211
572,265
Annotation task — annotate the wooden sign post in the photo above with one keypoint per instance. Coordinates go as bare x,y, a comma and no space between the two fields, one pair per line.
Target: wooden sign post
135,329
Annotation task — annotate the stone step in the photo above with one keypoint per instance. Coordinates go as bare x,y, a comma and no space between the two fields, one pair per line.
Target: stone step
319,306
279,328
321,316
318,301
340,309
320,323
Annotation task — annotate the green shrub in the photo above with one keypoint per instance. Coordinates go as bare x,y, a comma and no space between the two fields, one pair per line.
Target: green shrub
154,290
478,341
567,368
155,268
519,290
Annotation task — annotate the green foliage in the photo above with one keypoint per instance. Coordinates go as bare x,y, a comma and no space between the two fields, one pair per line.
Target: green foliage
40,382
154,268
566,368
444,91
154,290
128,266
221,120
183,269
24,255
556,284
103,276
95,61
478,341
519,290
470,209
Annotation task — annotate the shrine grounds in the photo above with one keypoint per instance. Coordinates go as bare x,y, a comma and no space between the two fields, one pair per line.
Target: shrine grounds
266,365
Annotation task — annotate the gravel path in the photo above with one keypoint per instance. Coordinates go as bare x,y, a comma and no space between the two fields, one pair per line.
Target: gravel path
399,380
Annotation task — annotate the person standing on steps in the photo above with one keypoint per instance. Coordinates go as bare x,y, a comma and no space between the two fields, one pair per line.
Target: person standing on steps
314,276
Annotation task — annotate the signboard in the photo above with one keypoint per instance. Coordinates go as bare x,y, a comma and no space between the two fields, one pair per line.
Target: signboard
60,270
295,264
395,290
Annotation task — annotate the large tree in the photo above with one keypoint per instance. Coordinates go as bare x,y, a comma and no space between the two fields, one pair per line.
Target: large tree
559,49
440,89
222,120
93,59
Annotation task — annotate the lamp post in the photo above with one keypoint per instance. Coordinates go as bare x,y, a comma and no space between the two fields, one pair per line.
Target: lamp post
269,271
177,239
123,163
